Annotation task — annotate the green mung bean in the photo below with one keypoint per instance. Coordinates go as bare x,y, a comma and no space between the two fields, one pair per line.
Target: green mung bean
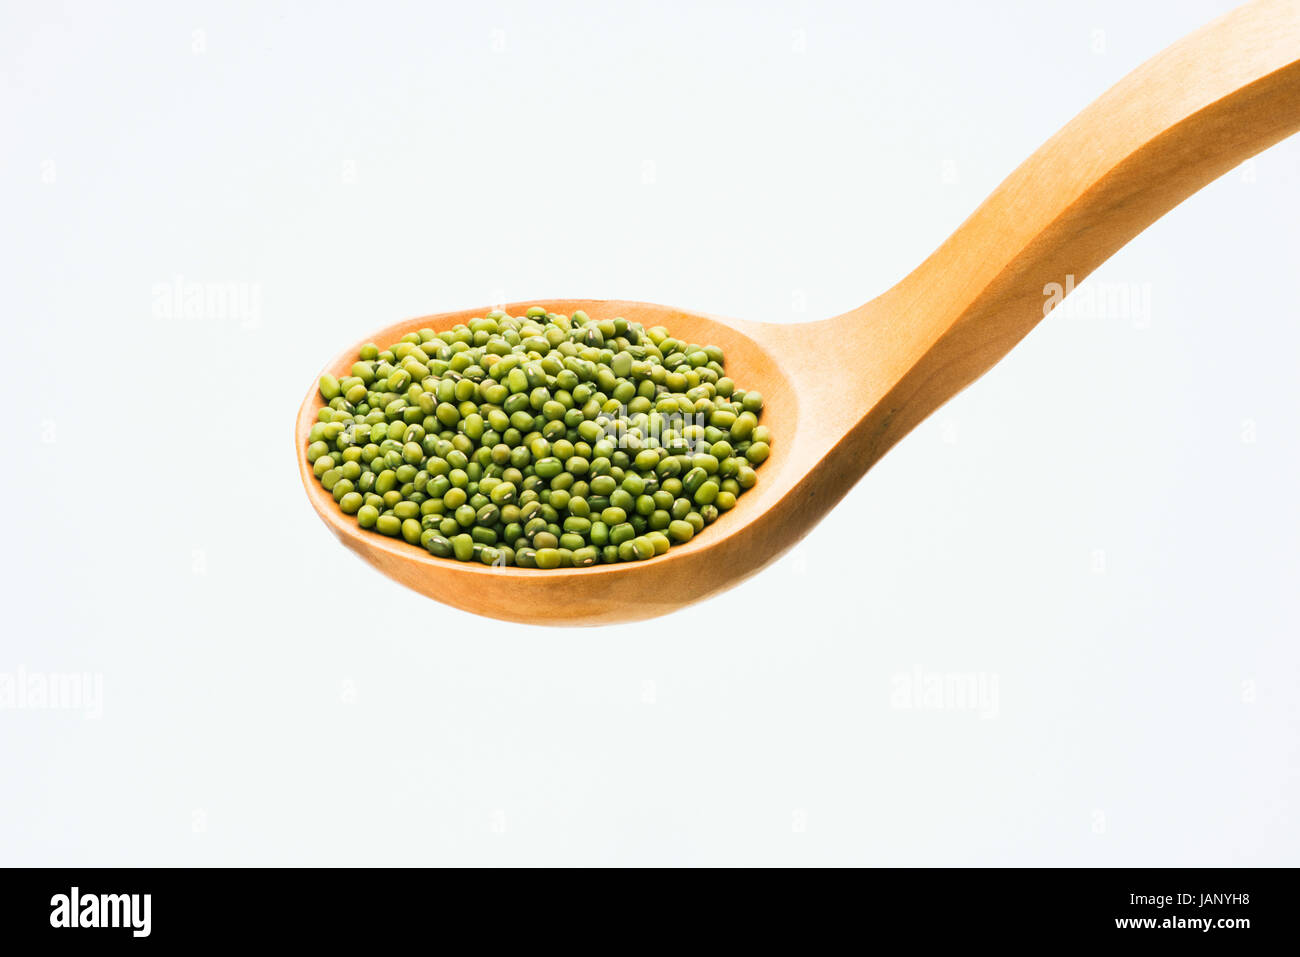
543,440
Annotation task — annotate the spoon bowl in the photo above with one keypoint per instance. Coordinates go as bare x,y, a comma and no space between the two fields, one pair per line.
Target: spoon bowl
731,549
840,392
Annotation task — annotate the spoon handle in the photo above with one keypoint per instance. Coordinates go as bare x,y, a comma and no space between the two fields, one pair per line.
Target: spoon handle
1179,121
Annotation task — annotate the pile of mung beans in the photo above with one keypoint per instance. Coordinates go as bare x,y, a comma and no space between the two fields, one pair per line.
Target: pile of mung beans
542,440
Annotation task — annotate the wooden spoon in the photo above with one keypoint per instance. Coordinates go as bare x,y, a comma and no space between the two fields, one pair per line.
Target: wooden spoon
1174,124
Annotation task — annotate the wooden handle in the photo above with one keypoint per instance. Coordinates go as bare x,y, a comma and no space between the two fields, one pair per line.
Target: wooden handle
1180,120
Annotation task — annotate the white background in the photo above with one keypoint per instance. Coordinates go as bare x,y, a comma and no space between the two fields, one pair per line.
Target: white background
1103,530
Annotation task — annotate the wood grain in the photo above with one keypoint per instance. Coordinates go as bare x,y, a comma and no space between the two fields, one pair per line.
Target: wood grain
1180,120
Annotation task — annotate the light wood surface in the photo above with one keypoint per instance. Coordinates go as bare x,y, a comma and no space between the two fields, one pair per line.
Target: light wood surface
1192,113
